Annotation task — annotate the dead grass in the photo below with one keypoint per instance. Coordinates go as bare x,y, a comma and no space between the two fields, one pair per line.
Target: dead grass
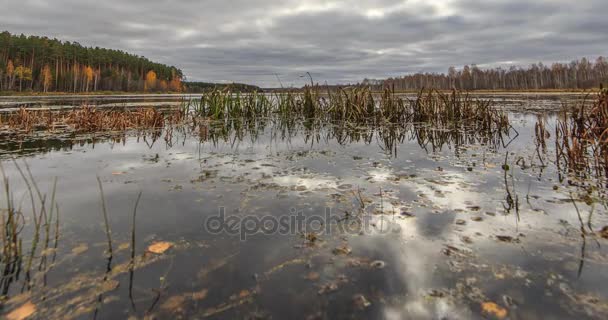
86,119
582,137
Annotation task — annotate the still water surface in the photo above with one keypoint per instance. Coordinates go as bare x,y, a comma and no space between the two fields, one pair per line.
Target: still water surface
444,231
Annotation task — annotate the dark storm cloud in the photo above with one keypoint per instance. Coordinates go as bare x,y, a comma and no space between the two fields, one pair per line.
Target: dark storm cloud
336,41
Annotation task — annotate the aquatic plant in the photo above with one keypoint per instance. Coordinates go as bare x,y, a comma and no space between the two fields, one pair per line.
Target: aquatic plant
16,261
582,137
354,105
87,119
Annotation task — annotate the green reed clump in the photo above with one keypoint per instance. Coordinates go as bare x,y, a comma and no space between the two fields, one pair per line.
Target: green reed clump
354,105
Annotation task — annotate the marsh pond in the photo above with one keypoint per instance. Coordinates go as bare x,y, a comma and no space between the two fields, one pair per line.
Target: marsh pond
358,205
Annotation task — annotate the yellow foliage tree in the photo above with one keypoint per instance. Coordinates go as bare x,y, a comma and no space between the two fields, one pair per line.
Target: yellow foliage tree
88,73
47,77
24,74
163,85
151,80
176,84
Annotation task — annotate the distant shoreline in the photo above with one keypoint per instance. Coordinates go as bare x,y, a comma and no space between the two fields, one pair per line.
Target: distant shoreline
5,94
90,93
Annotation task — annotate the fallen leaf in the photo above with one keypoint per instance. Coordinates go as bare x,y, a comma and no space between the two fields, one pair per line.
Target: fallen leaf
124,246
200,295
23,312
361,302
81,248
160,247
173,303
313,276
244,293
491,308
328,287
342,250
460,222
604,232
507,239
109,285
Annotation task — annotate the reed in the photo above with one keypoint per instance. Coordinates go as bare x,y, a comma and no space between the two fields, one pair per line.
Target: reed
354,105
312,105
15,259
582,137
105,218
87,119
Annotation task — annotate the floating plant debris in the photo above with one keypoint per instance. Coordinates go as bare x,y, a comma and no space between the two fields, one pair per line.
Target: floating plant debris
160,247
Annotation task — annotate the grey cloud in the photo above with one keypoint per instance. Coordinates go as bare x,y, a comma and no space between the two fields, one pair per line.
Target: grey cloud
337,41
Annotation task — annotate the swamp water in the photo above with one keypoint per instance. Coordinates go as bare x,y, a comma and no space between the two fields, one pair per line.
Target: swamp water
424,223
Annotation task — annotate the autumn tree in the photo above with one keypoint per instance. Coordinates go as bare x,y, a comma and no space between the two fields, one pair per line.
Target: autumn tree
151,80
176,84
69,62
23,74
47,77
88,74
163,85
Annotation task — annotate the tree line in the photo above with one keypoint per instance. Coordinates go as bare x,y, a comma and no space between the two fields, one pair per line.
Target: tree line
32,63
579,74
196,87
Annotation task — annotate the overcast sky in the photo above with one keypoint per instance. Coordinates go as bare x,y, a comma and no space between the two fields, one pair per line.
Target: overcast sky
336,41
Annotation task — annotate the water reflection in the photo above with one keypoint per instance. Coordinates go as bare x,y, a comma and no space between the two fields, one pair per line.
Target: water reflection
236,131
473,217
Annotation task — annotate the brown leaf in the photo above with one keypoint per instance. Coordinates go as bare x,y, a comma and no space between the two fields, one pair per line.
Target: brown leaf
109,285
173,303
200,295
23,312
604,232
361,302
342,250
124,246
491,308
313,276
160,247
507,239
244,293
81,248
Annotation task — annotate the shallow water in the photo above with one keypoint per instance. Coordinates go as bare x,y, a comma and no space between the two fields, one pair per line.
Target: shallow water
511,101
436,236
